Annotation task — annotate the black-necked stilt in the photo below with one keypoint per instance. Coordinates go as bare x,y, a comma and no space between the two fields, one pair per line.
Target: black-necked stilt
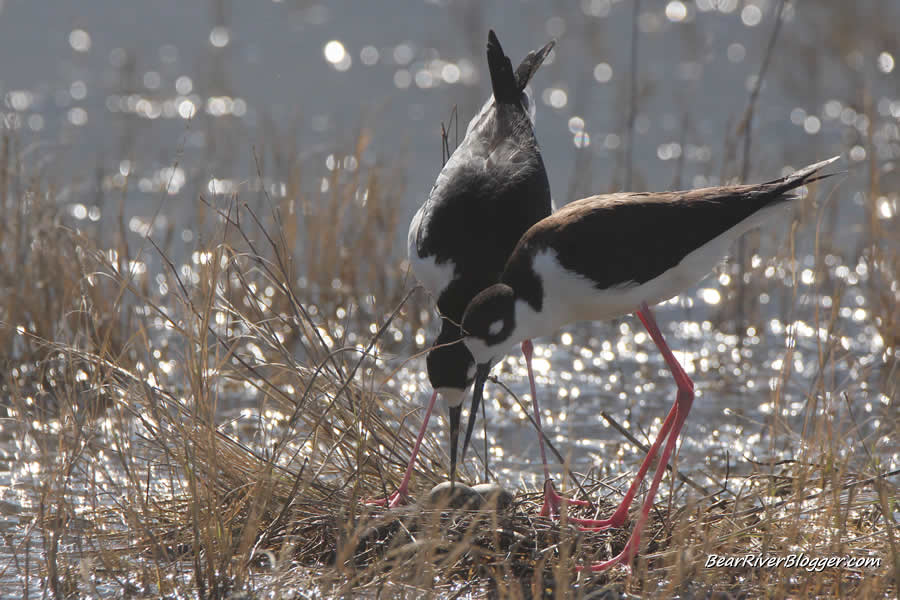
606,256
492,189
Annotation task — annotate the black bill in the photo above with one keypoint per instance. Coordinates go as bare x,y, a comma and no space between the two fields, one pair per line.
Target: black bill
481,375
455,413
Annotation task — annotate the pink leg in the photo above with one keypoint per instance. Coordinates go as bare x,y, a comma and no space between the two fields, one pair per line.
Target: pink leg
633,545
618,517
402,494
683,401
552,500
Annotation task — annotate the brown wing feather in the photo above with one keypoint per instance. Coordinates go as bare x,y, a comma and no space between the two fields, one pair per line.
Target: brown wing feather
617,239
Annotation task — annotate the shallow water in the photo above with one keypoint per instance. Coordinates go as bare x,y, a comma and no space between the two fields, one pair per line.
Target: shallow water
160,102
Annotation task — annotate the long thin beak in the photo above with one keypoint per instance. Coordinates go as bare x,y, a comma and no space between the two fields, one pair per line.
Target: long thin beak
481,375
455,414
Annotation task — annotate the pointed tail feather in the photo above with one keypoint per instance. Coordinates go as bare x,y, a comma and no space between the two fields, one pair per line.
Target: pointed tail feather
531,63
503,80
803,176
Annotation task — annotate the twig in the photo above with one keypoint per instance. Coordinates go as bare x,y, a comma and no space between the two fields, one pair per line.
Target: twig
364,353
632,94
445,136
745,125
300,312
487,469
550,445
745,128
846,486
288,501
643,447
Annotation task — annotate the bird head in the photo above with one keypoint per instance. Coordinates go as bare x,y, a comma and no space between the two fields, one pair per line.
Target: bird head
451,371
488,324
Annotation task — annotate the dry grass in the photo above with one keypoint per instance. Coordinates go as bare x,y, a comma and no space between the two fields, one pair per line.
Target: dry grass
223,424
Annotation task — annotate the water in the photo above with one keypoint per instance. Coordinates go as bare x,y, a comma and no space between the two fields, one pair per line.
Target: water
159,103
121,78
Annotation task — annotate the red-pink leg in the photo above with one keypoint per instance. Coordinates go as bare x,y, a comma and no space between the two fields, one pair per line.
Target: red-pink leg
552,500
632,546
683,401
621,513
402,494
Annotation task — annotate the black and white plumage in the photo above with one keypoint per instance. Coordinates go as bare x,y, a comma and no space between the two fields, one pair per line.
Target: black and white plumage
600,257
490,191
606,256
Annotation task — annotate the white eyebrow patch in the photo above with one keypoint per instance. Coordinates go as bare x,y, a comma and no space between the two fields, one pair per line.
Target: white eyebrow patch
496,327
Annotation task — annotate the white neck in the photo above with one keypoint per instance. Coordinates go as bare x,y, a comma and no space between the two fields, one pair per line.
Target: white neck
531,324
452,396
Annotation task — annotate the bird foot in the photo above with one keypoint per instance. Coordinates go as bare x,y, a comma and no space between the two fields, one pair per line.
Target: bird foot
614,522
624,558
398,498
553,502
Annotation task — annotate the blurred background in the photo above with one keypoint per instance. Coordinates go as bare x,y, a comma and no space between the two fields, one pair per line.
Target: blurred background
126,121
108,89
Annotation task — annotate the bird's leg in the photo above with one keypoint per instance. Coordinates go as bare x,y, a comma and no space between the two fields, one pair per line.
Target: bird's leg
632,546
402,494
552,500
683,401
621,513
